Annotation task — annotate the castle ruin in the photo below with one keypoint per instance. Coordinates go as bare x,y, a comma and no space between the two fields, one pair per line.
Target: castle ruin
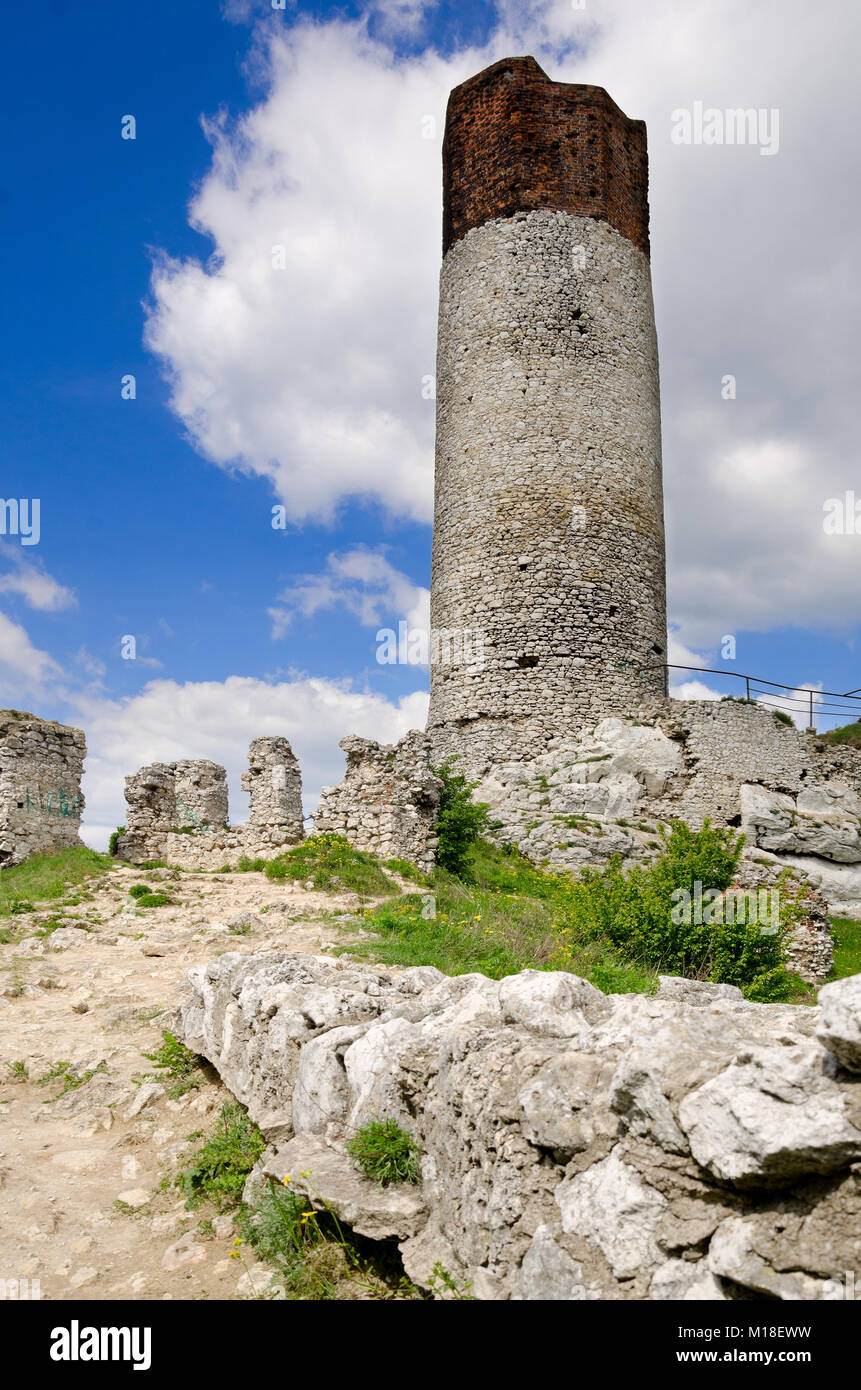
548,570
178,813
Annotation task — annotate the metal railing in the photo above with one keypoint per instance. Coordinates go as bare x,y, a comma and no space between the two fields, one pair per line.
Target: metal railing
815,702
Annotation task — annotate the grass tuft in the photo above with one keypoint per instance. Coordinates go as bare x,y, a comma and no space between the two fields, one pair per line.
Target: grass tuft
223,1162
847,947
176,1063
331,863
386,1153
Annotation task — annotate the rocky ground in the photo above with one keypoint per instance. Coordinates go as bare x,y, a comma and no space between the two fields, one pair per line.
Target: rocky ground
84,1208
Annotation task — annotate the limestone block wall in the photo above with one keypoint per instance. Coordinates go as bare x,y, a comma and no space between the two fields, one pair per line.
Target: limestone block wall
387,801
728,744
574,1145
40,785
548,523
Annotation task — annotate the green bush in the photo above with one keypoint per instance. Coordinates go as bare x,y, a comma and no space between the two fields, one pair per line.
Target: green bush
460,821
386,1153
113,842
637,913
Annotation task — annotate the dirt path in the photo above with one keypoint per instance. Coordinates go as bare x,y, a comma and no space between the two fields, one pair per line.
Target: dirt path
82,1209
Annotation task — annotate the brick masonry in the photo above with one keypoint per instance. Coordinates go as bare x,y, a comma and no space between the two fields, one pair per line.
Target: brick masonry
515,141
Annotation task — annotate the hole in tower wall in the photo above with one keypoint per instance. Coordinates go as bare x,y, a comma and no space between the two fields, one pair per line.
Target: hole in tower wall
614,608
527,663
658,650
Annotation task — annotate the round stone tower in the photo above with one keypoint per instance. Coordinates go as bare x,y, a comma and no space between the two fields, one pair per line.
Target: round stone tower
548,603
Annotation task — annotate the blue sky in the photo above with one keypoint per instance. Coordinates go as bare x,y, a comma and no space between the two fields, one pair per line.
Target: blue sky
152,257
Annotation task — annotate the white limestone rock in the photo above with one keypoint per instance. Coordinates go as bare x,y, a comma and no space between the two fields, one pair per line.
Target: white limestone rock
327,1177
613,1208
839,1027
548,1272
686,1281
625,1129
773,1115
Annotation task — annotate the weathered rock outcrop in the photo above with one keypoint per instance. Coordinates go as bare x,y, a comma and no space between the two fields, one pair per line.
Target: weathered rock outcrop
575,1145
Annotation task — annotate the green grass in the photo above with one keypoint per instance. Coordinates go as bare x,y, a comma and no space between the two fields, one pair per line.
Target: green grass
846,733
332,864
386,1153
71,1079
144,896
46,876
406,869
219,1168
54,923
505,919
616,931
847,947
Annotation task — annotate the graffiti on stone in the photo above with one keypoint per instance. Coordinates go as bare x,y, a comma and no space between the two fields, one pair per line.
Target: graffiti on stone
53,803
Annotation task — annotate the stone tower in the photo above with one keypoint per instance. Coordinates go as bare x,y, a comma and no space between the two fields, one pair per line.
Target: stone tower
548,605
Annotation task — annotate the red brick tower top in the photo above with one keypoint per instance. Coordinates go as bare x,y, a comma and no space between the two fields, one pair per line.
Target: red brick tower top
515,141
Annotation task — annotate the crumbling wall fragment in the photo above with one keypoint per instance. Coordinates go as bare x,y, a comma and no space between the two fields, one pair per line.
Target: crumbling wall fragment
40,785
274,784
387,802
178,812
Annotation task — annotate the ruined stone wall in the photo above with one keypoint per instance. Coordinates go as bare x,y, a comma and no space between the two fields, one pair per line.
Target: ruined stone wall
40,785
548,521
729,744
274,784
178,812
200,788
387,801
